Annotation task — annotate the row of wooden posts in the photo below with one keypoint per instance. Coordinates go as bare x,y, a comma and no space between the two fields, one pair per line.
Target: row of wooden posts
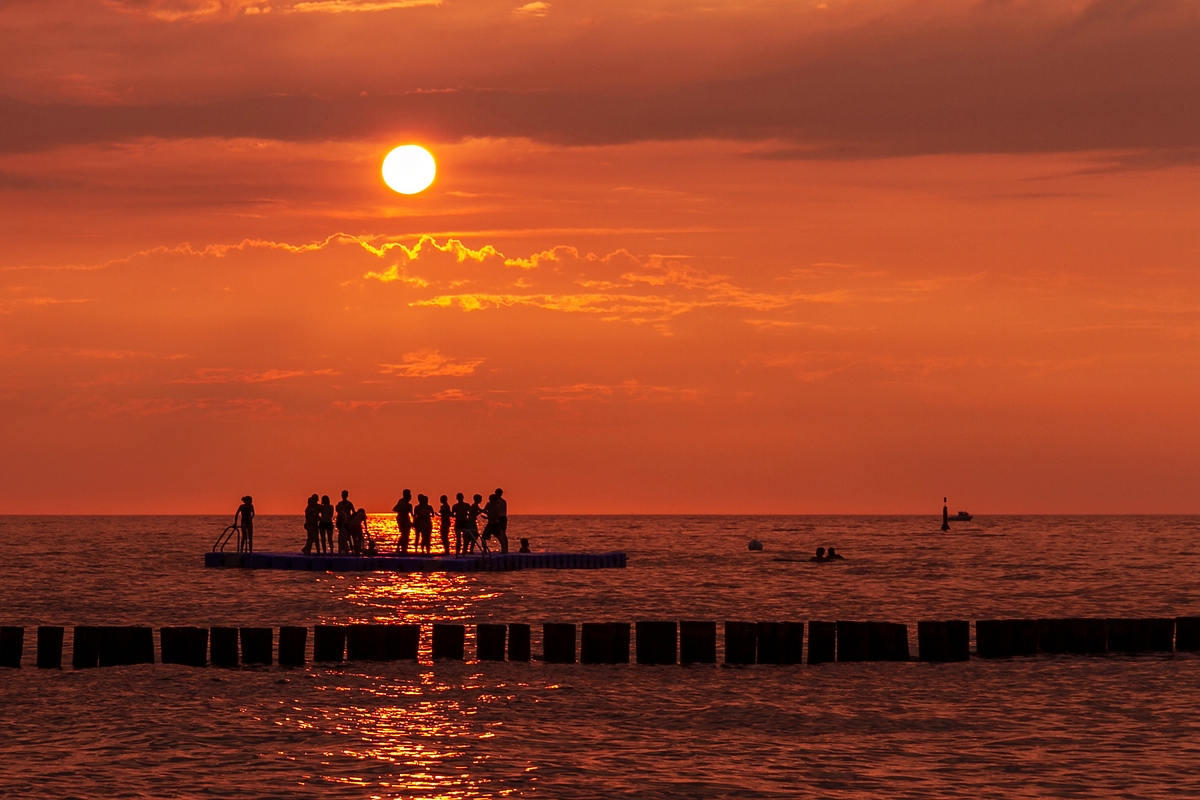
656,642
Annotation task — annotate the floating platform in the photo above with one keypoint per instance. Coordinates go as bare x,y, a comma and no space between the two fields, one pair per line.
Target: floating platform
496,562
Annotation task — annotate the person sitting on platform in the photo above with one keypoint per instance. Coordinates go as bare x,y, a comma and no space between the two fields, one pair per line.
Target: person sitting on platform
833,555
370,550
819,558
525,546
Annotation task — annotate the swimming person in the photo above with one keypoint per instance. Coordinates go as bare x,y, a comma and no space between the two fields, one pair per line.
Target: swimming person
820,556
833,555
311,518
524,546
499,515
404,509
325,524
344,510
444,524
423,524
462,513
245,513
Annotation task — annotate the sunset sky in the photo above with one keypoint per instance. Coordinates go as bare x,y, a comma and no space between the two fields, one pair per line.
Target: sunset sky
781,257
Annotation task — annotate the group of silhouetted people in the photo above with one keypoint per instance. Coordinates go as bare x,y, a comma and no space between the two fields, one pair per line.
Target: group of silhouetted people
823,556
415,522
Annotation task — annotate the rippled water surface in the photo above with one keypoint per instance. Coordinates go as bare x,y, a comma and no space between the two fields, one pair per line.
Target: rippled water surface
1109,726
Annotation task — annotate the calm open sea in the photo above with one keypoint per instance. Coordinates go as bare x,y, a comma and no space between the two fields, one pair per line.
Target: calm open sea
1051,726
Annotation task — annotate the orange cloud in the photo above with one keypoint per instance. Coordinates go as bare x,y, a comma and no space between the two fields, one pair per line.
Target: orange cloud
430,364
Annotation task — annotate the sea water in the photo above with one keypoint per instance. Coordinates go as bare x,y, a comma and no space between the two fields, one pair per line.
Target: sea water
1046,726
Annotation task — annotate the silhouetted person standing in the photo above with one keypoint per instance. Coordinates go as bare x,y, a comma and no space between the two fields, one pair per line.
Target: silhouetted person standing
423,524
312,516
325,524
462,516
444,524
404,509
499,515
473,522
345,510
945,515
245,517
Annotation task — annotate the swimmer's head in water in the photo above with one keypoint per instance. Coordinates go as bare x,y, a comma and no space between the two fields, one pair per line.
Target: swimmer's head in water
820,551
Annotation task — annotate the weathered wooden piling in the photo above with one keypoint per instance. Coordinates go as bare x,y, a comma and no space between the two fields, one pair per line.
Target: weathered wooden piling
1087,635
400,642
257,645
853,640
656,642
489,641
741,642
85,646
329,643
944,640
1187,633
596,641
1141,635
183,645
364,642
122,645
887,641
822,642
1053,635
558,643
780,642
293,641
697,642
519,647
49,646
448,640
993,638
223,646
12,646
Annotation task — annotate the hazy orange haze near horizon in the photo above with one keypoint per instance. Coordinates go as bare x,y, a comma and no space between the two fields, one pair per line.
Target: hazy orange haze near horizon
837,257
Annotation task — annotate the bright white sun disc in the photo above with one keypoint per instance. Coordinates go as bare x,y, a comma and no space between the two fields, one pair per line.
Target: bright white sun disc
409,169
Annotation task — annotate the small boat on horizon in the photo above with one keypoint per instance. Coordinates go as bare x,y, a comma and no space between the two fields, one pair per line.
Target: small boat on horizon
961,516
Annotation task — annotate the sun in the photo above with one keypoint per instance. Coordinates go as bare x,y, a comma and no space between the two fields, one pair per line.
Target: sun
409,169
